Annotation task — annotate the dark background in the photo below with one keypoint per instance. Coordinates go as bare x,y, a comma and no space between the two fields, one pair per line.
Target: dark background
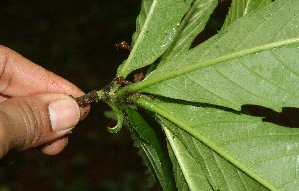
75,39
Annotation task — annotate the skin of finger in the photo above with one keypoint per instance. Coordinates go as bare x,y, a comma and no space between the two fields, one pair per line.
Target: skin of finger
4,144
54,147
19,131
21,77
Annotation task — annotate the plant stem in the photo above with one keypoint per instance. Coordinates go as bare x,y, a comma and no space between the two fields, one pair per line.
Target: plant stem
93,96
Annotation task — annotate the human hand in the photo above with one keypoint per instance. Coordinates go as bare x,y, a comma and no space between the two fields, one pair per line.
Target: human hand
35,107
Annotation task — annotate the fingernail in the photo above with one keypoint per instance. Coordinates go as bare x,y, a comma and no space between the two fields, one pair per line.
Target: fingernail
64,114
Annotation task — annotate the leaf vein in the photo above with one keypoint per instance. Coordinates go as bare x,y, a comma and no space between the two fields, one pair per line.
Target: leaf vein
238,85
284,63
230,141
287,182
264,160
210,91
242,180
264,78
226,179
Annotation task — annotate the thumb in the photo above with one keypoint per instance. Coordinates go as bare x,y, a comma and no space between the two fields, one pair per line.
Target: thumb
27,122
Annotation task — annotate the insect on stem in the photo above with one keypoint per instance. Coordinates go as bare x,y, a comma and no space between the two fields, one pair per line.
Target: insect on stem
123,45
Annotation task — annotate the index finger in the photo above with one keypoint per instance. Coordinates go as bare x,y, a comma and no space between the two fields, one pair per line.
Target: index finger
21,77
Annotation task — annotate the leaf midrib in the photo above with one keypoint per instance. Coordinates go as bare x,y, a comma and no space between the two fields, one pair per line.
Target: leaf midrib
149,105
179,160
124,71
166,76
183,25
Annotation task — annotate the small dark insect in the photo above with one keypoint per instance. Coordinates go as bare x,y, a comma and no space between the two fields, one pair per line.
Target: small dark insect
138,77
122,81
123,45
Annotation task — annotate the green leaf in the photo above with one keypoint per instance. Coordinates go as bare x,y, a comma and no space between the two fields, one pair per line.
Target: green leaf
225,71
156,27
193,23
239,8
187,170
252,60
149,140
201,168
266,152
